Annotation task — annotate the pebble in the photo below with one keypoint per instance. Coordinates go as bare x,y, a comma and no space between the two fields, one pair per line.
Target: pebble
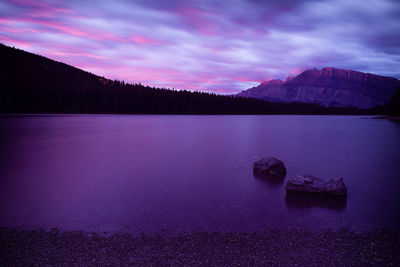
271,248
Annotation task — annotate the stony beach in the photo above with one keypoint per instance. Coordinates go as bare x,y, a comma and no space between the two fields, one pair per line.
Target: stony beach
271,248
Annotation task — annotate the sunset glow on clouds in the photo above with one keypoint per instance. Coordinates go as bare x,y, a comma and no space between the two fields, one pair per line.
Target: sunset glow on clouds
216,46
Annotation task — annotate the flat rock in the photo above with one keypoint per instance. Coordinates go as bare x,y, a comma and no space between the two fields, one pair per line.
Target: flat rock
309,184
269,167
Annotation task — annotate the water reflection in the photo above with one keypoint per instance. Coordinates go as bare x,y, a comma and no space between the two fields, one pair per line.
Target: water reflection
270,180
302,201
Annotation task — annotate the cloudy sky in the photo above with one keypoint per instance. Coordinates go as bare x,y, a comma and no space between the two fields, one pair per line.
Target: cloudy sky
211,45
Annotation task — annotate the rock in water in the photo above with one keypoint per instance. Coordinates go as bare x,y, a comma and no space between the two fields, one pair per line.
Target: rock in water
313,185
269,167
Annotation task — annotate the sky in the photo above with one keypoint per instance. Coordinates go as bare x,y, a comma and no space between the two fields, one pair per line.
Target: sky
219,46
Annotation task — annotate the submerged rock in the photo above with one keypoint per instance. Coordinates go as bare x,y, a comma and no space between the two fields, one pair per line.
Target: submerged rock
269,167
312,185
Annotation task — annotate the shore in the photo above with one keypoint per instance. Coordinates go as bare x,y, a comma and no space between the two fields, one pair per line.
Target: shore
273,247
391,118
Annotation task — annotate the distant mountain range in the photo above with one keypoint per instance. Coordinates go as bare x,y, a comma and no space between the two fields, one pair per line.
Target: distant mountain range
329,87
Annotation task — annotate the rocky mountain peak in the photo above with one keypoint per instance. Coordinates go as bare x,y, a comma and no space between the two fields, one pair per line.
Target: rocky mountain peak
329,87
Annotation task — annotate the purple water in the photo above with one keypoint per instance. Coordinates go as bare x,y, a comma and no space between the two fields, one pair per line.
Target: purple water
193,173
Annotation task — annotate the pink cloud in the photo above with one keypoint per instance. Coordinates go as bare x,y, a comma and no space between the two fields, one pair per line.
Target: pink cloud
13,42
247,79
81,54
41,9
31,30
200,20
142,40
47,23
107,36
11,30
60,27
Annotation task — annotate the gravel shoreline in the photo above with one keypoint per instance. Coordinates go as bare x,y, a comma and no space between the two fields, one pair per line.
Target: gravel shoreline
271,248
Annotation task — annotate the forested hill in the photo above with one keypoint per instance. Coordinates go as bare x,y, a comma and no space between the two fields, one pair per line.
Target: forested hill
35,84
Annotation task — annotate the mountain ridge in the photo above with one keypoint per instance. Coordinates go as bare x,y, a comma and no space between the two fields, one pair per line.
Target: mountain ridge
328,87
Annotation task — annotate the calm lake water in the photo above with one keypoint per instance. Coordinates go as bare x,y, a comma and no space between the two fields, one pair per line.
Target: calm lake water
193,173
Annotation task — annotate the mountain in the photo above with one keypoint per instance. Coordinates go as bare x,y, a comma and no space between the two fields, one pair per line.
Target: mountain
394,104
329,87
31,83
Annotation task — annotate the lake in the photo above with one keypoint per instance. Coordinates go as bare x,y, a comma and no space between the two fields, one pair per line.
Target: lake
150,173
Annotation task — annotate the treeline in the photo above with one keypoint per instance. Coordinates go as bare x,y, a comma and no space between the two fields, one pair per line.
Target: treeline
35,84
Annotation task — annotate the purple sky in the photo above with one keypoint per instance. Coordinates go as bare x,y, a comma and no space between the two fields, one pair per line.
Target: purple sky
217,46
